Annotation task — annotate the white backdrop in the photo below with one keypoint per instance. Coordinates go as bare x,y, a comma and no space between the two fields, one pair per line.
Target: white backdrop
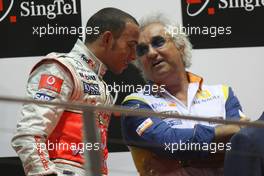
240,68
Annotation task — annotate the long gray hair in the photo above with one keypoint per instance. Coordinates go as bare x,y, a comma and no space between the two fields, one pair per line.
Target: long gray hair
179,37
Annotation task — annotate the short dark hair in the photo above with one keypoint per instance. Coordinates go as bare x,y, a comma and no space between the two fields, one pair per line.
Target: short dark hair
108,19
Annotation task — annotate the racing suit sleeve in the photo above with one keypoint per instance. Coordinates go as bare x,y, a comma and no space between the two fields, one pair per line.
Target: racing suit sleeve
223,133
154,134
48,82
232,106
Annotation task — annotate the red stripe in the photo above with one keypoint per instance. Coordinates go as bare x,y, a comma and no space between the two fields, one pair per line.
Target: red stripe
194,1
1,5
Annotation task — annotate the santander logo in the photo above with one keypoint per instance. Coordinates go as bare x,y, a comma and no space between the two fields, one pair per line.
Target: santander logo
5,13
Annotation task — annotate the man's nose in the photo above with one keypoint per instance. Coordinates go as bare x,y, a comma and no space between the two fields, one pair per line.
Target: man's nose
132,55
152,53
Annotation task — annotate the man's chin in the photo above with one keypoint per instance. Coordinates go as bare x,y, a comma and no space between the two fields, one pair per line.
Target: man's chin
118,72
160,77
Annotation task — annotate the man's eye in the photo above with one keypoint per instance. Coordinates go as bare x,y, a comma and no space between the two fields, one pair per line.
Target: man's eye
158,41
131,45
142,49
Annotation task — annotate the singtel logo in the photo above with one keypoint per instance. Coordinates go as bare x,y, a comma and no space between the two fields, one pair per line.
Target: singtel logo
31,9
59,7
248,5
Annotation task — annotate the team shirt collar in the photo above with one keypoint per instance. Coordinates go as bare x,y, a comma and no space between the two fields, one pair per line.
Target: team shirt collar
93,62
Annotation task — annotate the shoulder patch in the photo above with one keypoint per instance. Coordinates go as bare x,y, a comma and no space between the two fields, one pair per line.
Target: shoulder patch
144,126
50,82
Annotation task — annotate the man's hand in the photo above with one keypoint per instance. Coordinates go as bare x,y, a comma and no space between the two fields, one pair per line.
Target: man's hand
244,119
224,132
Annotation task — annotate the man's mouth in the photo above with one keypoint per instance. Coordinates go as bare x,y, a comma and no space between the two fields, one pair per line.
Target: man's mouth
157,62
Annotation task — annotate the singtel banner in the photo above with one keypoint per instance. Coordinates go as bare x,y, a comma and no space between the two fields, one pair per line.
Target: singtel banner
223,23
33,27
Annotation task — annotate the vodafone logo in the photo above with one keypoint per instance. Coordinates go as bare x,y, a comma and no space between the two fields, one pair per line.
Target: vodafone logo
51,80
7,11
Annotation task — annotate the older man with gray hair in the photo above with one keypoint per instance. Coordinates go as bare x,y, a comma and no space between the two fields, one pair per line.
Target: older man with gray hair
169,146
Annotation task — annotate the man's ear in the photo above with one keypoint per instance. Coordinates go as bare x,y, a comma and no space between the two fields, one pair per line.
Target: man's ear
107,39
181,49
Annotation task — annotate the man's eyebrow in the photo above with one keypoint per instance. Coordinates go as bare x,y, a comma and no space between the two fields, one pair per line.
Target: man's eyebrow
133,42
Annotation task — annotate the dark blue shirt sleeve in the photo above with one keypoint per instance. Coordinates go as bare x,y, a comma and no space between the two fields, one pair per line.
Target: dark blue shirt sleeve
232,106
160,135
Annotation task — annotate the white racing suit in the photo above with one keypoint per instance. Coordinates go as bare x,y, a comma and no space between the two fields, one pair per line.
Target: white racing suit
48,138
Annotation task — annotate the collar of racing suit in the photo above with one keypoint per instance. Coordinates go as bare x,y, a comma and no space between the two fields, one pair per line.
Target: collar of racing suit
94,63
192,78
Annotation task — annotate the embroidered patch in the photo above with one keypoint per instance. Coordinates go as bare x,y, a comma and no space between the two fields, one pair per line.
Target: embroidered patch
158,105
203,94
50,82
43,97
91,89
87,76
144,126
